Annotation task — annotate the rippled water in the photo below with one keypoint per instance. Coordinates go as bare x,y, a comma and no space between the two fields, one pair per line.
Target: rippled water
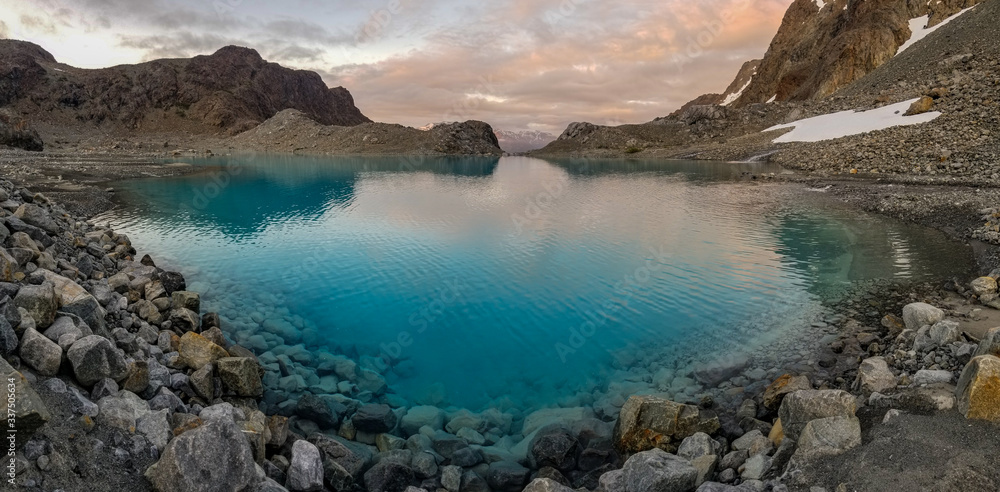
515,282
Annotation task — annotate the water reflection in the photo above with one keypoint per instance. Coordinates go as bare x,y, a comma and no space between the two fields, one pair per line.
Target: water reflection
349,253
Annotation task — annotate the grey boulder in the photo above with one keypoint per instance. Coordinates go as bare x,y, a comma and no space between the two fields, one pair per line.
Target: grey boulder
214,457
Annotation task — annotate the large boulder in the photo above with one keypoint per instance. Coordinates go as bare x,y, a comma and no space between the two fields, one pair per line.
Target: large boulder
388,476
874,376
918,314
554,447
40,302
351,456
42,354
829,436
305,474
978,389
29,413
122,411
934,336
196,351
776,391
801,407
240,376
990,344
94,358
37,216
647,422
318,410
214,457
658,471
374,418
419,416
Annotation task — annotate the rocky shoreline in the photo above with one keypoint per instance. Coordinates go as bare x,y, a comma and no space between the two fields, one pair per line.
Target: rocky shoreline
119,365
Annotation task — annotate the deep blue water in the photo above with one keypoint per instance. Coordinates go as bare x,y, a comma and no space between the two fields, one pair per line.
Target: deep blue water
515,282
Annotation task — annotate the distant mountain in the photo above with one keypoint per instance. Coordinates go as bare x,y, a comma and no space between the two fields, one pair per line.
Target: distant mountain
523,141
736,89
229,91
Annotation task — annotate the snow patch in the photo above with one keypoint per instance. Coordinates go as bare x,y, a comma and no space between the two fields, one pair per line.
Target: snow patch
736,95
773,98
919,29
820,4
845,123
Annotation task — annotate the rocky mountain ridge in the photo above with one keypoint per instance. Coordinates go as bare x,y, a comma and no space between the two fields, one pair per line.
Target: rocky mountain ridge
229,91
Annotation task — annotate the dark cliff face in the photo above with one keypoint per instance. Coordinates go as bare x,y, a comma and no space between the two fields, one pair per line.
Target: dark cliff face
231,90
819,50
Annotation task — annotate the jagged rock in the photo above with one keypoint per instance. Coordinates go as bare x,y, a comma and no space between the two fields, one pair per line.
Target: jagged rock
306,471
919,314
8,266
990,344
374,418
554,447
507,476
122,411
241,376
42,354
196,351
156,428
801,407
983,285
40,302
212,457
657,470
388,476
37,216
184,320
352,457
829,436
30,413
776,391
8,338
920,106
937,335
874,376
647,422
318,410
978,389
94,358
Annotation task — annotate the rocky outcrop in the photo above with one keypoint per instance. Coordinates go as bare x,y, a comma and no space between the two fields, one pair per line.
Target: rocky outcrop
231,90
648,422
294,131
736,88
824,46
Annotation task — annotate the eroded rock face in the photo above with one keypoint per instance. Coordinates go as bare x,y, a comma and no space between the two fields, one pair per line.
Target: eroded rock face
648,422
978,389
819,49
232,89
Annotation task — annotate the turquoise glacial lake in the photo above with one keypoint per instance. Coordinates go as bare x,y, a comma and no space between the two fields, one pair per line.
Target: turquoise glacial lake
512,282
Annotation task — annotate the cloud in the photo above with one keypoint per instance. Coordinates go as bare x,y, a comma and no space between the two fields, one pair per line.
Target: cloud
4,30
515,63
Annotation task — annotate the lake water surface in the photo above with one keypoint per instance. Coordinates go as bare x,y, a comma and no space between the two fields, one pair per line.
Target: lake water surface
517,282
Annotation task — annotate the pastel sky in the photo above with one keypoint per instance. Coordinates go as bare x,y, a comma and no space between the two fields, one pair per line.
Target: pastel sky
517,64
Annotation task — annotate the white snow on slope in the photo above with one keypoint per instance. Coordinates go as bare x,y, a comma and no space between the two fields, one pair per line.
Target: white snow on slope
736,95
820,4
844,123
918,27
